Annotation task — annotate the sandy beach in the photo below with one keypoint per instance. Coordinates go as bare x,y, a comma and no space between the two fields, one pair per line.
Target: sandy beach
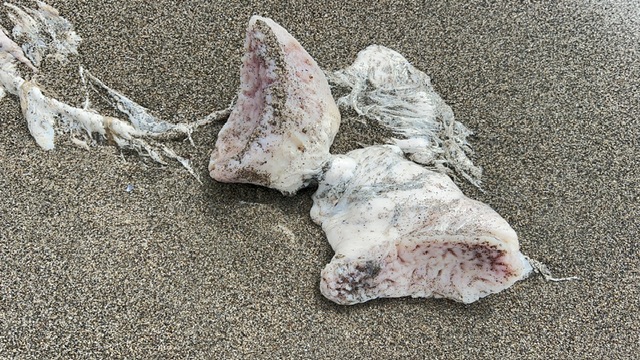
178,269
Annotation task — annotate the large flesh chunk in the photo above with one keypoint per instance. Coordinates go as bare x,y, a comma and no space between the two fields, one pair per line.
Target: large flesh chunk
285,119
398,229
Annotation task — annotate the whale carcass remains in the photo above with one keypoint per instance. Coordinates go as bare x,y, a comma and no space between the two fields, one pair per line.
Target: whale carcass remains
397,228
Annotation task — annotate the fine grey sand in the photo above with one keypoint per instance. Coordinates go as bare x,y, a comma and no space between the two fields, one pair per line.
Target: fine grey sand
176,269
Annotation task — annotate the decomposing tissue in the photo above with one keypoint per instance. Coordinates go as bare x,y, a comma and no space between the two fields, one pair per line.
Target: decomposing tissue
399,229
387,88
284,120
44,34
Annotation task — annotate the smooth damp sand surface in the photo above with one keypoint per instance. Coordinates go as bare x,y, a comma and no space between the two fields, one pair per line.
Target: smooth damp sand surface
175,269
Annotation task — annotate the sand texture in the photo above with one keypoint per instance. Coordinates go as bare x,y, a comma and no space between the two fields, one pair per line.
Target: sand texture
176,269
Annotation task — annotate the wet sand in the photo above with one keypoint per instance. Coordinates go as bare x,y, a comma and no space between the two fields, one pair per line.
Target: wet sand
176,269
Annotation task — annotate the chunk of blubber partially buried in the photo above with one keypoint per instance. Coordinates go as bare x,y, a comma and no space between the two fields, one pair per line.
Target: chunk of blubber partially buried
285,119
398,229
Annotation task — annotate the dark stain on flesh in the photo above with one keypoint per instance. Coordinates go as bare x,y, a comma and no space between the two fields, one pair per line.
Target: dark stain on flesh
370,268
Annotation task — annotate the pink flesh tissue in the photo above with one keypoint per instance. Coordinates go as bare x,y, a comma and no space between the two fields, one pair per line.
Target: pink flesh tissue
284,121
398,229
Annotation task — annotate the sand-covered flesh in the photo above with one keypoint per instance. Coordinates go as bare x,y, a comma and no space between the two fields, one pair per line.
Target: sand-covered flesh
176,269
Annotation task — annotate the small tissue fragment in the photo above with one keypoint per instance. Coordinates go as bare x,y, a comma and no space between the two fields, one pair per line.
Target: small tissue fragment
385,87
39,114
285,119
399,229
8,46
43,32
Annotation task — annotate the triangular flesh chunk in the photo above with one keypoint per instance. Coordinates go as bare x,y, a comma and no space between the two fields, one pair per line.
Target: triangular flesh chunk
398,229
285,119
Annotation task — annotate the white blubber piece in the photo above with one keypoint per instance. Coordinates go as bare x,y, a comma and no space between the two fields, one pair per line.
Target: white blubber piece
399,229
387,88
285,119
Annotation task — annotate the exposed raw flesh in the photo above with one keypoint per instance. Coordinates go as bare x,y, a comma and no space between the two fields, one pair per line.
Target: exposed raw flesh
279,133
398,229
